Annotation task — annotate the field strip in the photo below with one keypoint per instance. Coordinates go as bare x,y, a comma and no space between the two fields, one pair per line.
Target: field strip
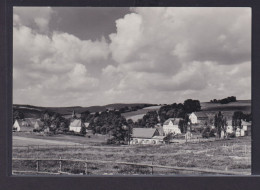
35,141
141,164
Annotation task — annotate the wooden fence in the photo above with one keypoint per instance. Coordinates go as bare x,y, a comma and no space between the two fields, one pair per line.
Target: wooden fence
86,162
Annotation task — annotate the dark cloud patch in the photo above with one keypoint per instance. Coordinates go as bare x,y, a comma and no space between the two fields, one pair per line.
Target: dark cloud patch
86,22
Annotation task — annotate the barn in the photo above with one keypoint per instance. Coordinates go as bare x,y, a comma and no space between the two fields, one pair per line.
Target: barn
146,136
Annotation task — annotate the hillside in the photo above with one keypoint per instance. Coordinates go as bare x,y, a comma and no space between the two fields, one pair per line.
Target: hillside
35,111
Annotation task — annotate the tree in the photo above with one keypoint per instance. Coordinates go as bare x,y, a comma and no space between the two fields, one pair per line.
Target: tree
150,119
237,120
220,123
17,115
191,106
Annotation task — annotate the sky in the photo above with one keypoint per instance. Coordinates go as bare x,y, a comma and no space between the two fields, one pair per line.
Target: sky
85,56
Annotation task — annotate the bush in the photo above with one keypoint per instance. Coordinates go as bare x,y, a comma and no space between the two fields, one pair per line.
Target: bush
212,133
111,141
231,135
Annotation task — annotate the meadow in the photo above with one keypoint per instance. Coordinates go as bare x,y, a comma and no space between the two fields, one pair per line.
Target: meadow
229,155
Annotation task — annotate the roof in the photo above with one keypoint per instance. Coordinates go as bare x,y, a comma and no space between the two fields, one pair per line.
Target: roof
200,114
144,132
246,123
38,123
76,123
160,130
175,121
229,122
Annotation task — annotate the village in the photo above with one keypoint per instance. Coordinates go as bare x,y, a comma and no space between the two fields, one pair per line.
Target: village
193,126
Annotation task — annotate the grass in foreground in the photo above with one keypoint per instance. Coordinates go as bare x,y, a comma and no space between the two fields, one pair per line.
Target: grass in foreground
232,155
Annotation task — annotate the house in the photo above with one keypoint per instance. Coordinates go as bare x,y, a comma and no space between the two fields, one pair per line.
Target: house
76,125
245,125
22,126
86,124
240,132
229,128
198,117
171,126
38,125
146,136
16,126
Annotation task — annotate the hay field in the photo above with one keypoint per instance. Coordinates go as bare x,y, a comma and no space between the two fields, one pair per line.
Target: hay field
229,155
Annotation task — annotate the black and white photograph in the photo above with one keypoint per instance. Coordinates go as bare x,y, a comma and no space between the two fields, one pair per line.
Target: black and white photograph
131,91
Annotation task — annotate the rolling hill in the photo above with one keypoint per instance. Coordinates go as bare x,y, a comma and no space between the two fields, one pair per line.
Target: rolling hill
35,111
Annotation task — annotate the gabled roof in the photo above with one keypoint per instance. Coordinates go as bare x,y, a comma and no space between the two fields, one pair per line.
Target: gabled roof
38,123
143,132
76,123
246,123
160,129
200,114
175,121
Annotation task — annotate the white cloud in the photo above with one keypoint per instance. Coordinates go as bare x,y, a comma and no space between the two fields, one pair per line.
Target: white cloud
157,55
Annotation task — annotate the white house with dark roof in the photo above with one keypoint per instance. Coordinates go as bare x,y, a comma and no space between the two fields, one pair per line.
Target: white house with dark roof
198,117
146,136
171,126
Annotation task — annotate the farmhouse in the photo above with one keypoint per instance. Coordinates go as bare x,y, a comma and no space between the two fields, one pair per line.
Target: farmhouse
21,125
146,136
198,117
246,125
38,125
16,126
76,125
229,127
171,126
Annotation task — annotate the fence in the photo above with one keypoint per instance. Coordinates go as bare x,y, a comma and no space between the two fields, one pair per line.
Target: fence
86,162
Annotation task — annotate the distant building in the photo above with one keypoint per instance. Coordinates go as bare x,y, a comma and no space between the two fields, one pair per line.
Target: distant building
198,117
229,127
22,126
76,125
146,136
16,126
245,125
171,126
38,125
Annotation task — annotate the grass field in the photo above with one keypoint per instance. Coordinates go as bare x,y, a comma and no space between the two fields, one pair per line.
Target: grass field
135,115
230,155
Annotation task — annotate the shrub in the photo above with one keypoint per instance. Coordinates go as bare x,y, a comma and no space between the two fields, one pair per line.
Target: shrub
231,135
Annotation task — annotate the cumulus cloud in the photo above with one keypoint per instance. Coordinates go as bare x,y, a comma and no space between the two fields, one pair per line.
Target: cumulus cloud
35,17
156,55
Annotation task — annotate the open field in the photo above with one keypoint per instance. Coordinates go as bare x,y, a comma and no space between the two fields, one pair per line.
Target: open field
240,105
25,139
228,155
138,114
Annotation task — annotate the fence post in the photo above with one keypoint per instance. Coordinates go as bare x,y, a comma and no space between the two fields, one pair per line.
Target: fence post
152,165
60,169
37,165
86,167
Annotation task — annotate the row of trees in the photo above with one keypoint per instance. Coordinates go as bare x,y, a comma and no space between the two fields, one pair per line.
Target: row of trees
178,110
54,121
225,100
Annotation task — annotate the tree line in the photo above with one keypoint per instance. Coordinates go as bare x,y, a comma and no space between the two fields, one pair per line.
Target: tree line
224,100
